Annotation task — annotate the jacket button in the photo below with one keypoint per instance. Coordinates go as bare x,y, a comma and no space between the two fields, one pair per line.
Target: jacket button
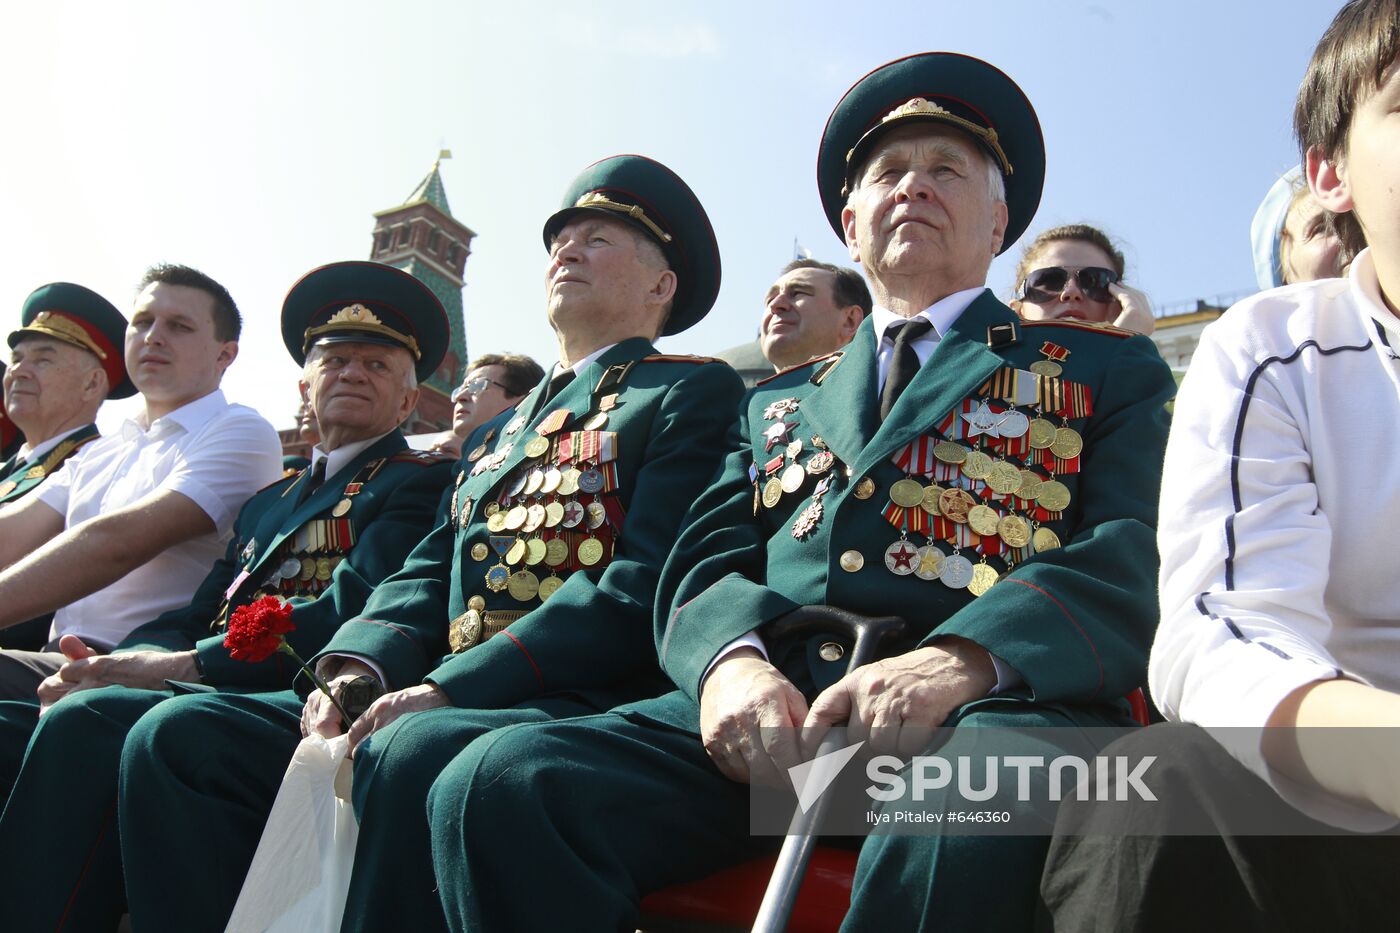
831,651
851,561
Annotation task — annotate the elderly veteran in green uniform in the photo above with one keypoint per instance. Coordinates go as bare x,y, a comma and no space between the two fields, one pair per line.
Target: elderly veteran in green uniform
65,360
365,333
531,601
992,483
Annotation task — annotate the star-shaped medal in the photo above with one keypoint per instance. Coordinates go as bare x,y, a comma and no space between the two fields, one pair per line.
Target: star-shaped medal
779,408
983,421
776,434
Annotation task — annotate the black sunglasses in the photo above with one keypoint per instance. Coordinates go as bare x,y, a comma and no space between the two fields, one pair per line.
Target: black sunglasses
1044,285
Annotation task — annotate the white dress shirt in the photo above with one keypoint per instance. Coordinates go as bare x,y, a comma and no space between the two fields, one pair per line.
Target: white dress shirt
1277,514
213,453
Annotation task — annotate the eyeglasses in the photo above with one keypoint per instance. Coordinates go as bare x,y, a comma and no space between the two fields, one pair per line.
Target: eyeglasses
1044,285
475,387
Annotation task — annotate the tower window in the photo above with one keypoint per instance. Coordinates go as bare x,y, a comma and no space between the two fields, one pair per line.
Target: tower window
434,241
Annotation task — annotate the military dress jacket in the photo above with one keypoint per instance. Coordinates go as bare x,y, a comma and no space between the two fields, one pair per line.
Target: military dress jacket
541,576
324,555
19,478
1068,592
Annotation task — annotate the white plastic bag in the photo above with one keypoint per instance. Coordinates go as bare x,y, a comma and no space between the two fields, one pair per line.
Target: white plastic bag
301,872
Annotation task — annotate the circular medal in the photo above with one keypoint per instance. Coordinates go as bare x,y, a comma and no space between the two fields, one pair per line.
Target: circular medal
983,576
491,508
591,480
772,492
516,553
573,514
291,567
478,603
552,478
899,558
1003,478
517,484
1053,496
342,507
523,586
533,481
949,452
793,477
794,448
956,571
477,452
821,462
479,551
852,560
864,489
568,481
496,578
590,551
556,551
982,519
551,583
323,569
1046,368
1041,434
537,446
907,493
1044,540
1030,484
465,631
553,514
515,518
929,502
1014,530
534,518
596,514
596,421
1013,424
1067,444
928,562
955,504
977,465
534,551
497,522
308,569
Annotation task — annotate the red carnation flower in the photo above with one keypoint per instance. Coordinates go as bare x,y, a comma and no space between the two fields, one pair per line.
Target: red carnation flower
255,631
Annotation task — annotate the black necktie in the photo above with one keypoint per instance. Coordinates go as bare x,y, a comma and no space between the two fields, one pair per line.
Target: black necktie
557,384
314,481
904,364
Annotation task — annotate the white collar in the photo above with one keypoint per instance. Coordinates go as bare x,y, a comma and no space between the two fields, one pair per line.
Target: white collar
583,363
941,314
189,417
27,453
337,459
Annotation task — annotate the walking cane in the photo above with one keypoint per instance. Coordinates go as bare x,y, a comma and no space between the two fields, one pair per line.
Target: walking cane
781,895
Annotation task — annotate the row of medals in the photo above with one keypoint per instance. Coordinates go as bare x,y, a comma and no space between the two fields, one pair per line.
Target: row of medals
958,505
525,513
297,571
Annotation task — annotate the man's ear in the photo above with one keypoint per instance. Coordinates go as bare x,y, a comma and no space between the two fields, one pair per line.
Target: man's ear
851,316
304,390
1327,178
848,224
228,352
999,221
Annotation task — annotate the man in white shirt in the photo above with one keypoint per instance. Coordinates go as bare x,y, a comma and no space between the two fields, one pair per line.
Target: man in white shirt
130,530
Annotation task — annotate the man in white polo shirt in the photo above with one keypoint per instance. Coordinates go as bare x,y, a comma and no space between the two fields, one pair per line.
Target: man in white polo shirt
130,529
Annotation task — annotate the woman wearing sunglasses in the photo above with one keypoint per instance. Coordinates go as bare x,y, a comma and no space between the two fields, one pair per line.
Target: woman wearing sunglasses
1075,272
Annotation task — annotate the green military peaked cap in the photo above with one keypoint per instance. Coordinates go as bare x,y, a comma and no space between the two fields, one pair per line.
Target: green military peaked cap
944,87
365,302
656,201
80,317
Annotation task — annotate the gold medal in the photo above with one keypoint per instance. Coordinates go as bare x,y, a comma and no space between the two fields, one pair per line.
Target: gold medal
983,576
341,507
1014,530
568,481
864,489
550,584
1044,540
590,551
929,502
516,553
793,477
1053,496
534,551
308,569
772,492
1046,368
523,586
553,514
1003,478
534,480
955,504
949,452
477,603
479,551
465,631
907,493
537,447
556,551
1040,434
595,423
852,560
1030,485
552,478
1067,444
477,453
516,517
496,522
982,519
928,563
534,518
323,569
491,508
977,465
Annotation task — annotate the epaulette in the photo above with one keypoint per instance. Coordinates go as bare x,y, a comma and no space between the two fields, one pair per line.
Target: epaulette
422,457
816,359
679,358
1083,325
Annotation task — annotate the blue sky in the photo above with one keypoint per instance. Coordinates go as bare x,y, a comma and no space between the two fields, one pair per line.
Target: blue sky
255,139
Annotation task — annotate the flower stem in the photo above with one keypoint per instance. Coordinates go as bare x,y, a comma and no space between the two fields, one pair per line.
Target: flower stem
316,679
